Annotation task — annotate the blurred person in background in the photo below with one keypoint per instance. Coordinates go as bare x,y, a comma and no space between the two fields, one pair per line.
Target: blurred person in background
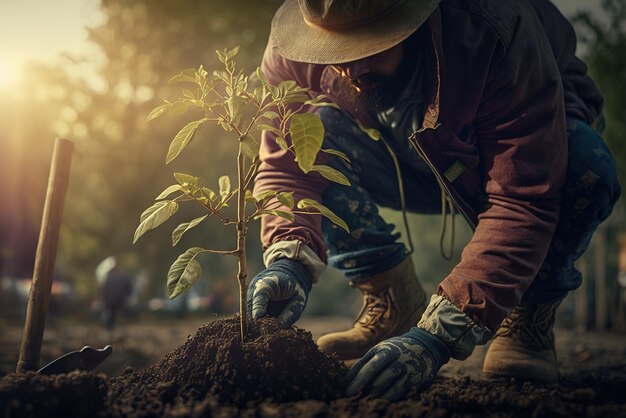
116,287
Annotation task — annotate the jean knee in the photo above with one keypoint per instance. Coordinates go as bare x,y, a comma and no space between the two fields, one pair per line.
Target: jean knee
592,172
607,187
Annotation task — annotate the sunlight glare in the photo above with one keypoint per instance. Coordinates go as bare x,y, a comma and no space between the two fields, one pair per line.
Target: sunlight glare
8,73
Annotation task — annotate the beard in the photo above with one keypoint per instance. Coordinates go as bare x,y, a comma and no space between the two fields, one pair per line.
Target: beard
375,92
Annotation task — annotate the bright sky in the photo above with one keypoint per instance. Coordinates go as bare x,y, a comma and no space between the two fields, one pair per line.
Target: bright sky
42,29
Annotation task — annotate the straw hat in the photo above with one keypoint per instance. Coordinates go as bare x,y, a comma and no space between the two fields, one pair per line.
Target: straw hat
338,31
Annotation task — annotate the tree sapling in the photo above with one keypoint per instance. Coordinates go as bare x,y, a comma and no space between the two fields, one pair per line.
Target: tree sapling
228,98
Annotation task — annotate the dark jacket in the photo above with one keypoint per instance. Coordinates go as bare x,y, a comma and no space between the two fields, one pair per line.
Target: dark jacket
493,133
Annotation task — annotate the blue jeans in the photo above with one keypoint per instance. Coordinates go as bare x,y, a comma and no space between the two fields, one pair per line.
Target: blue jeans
589,194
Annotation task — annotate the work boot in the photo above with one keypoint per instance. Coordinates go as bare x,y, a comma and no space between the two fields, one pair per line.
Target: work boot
524,345
393,302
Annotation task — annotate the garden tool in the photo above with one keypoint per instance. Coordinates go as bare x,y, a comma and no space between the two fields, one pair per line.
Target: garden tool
85,359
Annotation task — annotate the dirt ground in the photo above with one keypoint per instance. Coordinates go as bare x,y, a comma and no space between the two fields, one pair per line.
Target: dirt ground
592,366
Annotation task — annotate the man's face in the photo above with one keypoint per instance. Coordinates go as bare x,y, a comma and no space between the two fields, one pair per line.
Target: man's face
377,81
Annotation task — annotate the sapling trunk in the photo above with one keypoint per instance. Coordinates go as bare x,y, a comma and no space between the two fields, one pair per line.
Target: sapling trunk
242,273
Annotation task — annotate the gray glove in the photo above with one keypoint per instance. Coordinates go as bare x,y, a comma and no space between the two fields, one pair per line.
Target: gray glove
392,367
281,290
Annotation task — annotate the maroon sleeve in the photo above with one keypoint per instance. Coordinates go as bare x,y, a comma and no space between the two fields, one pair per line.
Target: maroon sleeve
279,172
523,148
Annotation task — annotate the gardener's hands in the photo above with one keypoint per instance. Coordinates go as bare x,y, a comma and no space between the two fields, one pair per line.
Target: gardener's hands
394,366
285,285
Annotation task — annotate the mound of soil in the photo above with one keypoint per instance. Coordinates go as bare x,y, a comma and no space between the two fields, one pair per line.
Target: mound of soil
274,363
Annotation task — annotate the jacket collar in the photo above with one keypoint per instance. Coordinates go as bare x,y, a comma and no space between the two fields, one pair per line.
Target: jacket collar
434,66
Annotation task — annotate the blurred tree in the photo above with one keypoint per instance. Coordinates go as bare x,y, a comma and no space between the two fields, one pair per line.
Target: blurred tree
604,36
101,101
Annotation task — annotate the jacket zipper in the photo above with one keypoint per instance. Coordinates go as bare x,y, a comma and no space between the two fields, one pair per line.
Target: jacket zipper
413,140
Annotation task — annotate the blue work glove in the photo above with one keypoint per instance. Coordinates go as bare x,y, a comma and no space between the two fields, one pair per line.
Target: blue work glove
392,367
281,290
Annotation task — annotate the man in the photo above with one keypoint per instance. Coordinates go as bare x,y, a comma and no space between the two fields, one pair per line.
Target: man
483,109
116,289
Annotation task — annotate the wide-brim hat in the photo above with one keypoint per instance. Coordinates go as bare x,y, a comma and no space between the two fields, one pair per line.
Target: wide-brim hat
338,31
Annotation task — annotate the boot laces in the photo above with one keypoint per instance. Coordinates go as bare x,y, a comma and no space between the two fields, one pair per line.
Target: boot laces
375,307
531,324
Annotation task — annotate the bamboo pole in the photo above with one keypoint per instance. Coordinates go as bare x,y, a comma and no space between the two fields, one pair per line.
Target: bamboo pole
41,286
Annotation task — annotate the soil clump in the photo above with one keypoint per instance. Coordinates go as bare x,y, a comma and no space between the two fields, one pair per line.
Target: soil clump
75,394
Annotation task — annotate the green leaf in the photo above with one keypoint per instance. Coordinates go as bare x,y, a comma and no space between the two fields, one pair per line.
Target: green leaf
177,234
186,179
184,273
270,128
154,216
210,194
286,198
337,153
221,55
188,75
307,135
179,107
224,183
158,111
231,54
250,146
310,203
280,213
249,197
264,195
209,84
281,143
225,126
190,94
259,94
260,75
270,115
182,139
222,75
171,189
189,183
235,104
331,174
201,73
286,86
273,91
371,132
295,97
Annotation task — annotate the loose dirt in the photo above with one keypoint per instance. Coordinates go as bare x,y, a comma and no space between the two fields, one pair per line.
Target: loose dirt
280,373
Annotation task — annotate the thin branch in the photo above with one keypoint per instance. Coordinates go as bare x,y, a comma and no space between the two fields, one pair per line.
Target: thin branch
221,252
225,220
251,173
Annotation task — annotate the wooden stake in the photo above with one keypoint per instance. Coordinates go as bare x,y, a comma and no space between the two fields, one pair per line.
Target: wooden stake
41,285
